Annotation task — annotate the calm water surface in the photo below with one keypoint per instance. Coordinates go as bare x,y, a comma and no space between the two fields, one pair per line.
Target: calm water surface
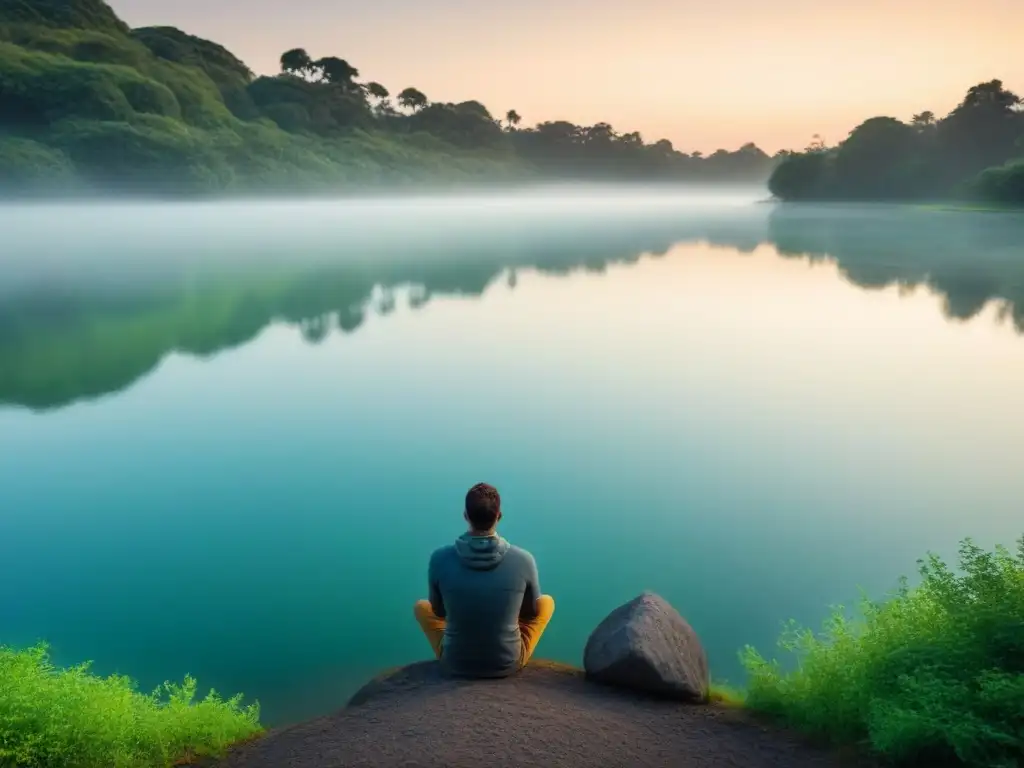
231,435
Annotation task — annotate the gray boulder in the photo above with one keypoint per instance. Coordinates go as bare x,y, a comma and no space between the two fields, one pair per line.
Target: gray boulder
647,646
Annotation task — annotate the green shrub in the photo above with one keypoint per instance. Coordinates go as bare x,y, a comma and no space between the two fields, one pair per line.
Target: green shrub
55,86
81,44
879,160
201,102
72,718
150,97
84,14
462,125
226,71
148,153
52,87
331,109
1004,184
174,45
289,116
802,176
103,49
932,676
78,74
27,164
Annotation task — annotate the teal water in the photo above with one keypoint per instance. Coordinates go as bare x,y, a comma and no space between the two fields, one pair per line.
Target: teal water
231,434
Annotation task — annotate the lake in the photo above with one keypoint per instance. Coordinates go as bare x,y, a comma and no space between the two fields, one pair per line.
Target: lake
231,434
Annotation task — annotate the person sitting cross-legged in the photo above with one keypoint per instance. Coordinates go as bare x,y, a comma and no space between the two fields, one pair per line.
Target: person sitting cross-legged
486,612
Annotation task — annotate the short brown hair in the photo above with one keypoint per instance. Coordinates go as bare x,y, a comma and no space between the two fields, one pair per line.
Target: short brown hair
483,506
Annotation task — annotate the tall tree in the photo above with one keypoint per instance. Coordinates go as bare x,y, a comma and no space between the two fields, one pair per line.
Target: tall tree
558,132
378,91
512,118
599,133
473,107
296,62
982,131
817,144
991,94
382,96
337,72
413,99
752,150
923,120
878,160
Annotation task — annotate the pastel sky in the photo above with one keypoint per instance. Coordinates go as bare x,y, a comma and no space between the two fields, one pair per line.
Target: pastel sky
703,73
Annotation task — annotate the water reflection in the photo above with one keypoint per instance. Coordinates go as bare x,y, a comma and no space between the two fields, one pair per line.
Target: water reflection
75,327
969,259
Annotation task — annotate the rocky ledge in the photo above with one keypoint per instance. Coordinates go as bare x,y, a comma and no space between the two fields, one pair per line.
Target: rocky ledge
641,700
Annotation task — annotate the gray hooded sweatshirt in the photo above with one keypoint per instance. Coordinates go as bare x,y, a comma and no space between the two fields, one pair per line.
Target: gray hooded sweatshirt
481,586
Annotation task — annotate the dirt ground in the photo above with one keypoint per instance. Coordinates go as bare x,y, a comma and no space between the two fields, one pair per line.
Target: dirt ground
546,716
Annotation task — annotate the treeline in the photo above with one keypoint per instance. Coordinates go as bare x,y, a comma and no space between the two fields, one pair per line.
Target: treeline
975,152
84,100
324,96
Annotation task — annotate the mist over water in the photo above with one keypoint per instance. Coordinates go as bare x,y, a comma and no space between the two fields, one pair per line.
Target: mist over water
231,433
151,237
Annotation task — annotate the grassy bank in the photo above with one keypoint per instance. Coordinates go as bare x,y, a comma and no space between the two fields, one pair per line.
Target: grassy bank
72,718
932,676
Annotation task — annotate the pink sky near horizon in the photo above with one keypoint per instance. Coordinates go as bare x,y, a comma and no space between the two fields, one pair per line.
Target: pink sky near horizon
702,74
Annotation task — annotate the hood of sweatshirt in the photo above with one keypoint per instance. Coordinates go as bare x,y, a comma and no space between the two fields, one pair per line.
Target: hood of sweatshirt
481,553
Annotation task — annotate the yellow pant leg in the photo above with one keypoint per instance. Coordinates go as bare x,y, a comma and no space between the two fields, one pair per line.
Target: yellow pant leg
432,626
532,629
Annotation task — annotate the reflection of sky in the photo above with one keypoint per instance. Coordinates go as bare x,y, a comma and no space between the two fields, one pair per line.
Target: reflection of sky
749,436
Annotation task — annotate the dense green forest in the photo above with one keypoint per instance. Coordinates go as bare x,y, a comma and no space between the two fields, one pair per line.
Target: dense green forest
87,103
976,152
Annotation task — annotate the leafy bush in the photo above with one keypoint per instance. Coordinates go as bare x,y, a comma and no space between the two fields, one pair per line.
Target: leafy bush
215,60
81,75
27,164
200,100
81,44
230,75
44,88
53,87
85,14
1004,184
327,109
289,116
135,155
462,125
72,718
802,176
934,675
878,160
149,97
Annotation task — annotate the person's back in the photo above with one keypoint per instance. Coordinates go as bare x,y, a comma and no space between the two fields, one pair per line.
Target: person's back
486,611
